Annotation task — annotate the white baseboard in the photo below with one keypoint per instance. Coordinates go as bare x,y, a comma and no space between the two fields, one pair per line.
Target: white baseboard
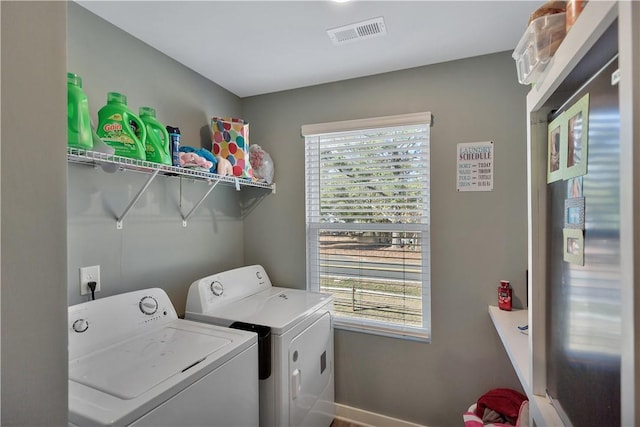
369,419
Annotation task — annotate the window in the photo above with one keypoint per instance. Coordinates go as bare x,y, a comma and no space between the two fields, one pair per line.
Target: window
367,222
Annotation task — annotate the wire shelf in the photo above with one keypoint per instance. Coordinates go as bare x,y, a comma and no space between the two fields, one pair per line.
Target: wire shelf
96,158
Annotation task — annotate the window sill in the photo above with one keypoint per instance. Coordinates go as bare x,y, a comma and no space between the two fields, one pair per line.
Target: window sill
412,335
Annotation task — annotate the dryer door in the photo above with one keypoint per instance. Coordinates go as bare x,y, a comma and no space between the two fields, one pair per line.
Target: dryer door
311,391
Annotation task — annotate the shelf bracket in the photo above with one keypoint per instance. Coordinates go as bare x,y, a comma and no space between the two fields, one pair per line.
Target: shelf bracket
135,199
185,218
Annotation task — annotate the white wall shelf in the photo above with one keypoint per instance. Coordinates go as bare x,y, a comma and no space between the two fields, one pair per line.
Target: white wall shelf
113,162
587,30
515,342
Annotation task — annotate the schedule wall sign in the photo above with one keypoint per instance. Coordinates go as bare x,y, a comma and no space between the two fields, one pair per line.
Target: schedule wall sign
475,166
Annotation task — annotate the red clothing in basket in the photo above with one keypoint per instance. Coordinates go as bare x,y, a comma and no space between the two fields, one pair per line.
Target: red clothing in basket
504,401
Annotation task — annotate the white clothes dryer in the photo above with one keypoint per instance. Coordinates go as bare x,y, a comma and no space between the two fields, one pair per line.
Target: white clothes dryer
295,343
133,362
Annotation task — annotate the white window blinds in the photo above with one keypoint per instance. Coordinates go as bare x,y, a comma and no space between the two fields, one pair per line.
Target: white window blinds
367,217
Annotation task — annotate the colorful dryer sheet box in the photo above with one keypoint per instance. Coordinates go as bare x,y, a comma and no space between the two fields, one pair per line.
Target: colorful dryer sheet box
231,142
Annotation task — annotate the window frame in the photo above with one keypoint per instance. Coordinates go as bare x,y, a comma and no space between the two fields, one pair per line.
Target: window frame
310,132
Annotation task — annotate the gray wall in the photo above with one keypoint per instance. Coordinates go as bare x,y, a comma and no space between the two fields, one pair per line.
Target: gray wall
477,238
152,249
34,223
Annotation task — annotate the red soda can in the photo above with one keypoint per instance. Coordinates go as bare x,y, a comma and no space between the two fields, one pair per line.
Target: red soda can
504,295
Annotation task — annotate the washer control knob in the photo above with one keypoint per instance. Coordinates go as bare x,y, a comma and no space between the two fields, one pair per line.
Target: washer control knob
80,325
217,288
148,305
258,275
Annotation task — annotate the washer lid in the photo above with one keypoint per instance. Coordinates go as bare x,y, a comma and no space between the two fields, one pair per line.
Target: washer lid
132,367
276,307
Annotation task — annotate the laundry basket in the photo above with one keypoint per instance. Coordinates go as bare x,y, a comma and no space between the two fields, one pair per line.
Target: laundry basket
471,418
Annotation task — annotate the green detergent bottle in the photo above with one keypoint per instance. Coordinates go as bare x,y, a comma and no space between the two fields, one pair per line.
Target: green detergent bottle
78,120
121,129
157,143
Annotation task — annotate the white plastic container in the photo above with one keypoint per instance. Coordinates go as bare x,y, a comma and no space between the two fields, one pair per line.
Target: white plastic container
538,45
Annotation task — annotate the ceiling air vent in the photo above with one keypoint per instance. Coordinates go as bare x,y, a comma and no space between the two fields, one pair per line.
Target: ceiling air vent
358,31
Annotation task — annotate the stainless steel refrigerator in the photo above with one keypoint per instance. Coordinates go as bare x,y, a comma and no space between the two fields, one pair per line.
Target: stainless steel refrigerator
584,315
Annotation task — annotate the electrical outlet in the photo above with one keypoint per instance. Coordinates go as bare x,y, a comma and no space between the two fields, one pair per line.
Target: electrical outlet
89,274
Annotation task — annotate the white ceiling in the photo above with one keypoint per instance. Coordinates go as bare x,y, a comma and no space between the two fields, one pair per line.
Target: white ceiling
257,47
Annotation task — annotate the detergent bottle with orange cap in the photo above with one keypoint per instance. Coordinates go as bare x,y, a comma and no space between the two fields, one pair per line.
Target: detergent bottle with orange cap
121,129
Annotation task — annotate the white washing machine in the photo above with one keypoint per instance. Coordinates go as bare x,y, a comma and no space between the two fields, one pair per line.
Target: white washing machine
295,343
133,362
